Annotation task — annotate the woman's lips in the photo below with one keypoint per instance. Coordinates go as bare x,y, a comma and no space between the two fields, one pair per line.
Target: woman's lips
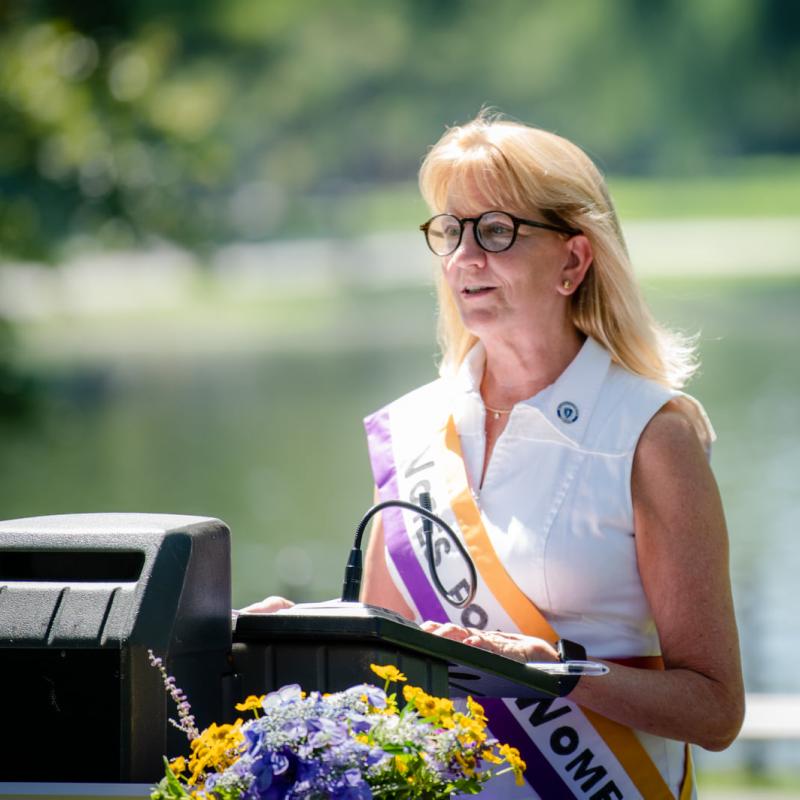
476,291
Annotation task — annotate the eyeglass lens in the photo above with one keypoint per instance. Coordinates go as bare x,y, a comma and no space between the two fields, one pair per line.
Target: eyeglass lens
494,231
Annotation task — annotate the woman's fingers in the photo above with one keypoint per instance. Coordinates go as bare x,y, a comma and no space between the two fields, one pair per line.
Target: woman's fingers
269,605
448,630
497,642
511,645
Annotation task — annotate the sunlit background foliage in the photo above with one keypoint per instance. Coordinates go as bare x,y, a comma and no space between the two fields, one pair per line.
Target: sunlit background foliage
212,120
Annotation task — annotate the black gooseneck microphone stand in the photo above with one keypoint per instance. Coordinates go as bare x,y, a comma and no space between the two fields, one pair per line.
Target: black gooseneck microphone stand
353,571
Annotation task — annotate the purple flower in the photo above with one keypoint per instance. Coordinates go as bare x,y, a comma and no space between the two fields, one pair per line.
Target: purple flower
286,694
187,722
308,772
352,777
351,786
241,769
211,781
305,750
280,763
295,728
324,732
359,723
284,774
253,740
261,769
375,697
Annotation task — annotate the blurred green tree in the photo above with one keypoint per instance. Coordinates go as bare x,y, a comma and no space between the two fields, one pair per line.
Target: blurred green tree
214,121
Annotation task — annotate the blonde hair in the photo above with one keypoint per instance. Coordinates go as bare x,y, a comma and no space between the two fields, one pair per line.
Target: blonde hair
523,170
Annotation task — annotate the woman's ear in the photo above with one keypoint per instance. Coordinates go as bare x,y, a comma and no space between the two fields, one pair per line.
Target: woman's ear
579,259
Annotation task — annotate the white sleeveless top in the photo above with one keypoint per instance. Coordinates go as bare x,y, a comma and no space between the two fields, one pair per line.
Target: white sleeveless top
556,503
577,563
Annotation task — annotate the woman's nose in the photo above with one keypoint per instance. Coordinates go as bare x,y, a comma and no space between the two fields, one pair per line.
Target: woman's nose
468,252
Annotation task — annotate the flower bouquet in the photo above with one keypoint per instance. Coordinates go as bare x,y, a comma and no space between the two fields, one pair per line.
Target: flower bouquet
352,745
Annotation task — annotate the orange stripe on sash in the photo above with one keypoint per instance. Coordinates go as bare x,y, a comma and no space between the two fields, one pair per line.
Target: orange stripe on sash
631,754
526,616
620,738
687,788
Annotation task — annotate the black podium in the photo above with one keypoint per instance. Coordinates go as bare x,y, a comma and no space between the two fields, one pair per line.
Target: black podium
82,599
330,646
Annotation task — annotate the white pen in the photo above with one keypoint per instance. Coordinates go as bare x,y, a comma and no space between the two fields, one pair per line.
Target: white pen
588,668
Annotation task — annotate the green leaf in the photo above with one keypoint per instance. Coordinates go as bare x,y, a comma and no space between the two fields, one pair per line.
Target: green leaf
394,749
170,786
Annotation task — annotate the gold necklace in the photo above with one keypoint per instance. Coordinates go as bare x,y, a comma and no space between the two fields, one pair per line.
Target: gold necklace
497,412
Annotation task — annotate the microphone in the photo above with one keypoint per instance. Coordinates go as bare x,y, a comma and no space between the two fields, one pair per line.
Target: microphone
351,587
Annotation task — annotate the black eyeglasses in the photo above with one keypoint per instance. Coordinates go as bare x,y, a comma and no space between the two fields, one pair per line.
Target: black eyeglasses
494,231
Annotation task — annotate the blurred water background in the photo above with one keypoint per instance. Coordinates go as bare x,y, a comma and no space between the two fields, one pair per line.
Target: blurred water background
210,269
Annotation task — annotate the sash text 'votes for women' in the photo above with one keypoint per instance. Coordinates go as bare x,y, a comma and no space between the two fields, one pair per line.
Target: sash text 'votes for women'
444,553
564,743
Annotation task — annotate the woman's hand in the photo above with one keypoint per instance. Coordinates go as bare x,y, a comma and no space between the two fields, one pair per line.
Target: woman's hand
269,605
511,645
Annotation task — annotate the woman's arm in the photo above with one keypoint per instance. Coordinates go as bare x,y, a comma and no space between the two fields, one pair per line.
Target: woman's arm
682,550
377,586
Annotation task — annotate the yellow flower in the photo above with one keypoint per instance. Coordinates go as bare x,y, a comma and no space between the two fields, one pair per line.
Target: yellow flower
252,703
410,693
178,765
511,755
388,673
446,722
490,756
426,705
476,710
216,747
444,713
400,765
391,705
446,706
467,764
472,729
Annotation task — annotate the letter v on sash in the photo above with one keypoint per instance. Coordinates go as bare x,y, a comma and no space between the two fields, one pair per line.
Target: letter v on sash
526,616
414,467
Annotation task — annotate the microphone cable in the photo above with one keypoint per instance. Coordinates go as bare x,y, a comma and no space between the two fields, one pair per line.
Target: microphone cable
353,571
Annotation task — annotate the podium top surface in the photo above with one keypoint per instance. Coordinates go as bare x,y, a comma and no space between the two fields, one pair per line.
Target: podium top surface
103,523
470,670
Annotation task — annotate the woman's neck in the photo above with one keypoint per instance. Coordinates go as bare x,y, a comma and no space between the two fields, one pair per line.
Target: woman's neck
520,368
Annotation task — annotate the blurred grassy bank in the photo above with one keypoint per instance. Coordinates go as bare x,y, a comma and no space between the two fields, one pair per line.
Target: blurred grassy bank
739,784
360,259
754,187
211,322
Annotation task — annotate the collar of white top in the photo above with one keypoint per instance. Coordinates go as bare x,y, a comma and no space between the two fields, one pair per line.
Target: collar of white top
579,384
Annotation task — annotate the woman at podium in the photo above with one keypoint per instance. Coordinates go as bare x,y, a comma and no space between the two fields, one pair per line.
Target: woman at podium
559,445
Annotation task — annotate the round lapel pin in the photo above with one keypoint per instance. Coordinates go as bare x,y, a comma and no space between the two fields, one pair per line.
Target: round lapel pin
567,412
